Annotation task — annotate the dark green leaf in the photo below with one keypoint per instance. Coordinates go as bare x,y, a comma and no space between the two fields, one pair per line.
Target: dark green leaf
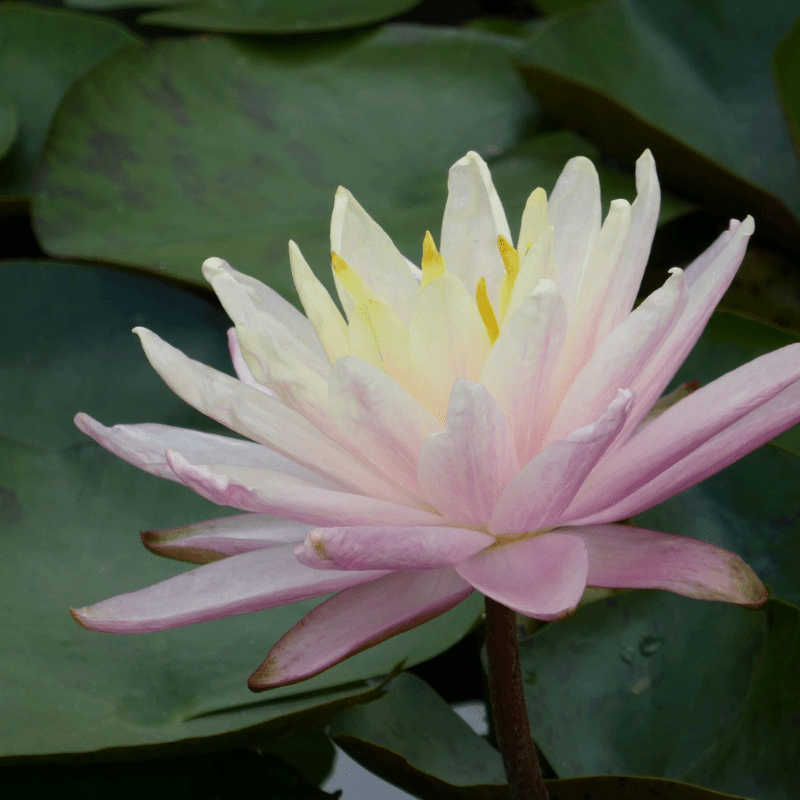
692,81
8,123
411,737
654,684
608,787
42,52
70,514
274,16
786,63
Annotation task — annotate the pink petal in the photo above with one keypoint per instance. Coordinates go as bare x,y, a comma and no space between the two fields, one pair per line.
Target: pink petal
628,276
735,441
271,493
538,495
380,418
464,469
473,219
543,577
392,548
145,447
204,542
520,368
261,418
623,557
621,358
676,433
356,619
705,292
247,582
240,365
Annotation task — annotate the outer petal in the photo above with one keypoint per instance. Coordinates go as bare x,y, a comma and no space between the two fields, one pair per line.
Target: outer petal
676,433
705,292
538,495
464,469
520,368
366,247
735,441
271,493
260,417
621,358
145,447
380,418
447,340
473,219
575,212
238,585
543,577
320,309
390,547
644,218
356,619
204,542
634,558
240,365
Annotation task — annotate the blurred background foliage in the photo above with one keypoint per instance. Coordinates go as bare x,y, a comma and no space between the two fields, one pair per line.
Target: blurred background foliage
137,138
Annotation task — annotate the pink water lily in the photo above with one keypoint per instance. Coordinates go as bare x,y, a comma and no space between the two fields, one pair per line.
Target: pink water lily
479,423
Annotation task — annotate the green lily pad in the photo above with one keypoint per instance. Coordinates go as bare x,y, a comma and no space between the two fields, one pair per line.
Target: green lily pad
691,81
786,63
626,787
70,514
42,52
654,684
228,147
411,737
275,16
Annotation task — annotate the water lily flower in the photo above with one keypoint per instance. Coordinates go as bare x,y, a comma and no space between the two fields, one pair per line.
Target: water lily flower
482,422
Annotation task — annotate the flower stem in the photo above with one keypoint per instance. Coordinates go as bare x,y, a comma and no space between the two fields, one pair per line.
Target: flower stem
508,705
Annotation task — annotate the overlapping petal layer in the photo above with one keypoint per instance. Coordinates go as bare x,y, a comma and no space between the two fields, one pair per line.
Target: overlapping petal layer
472,423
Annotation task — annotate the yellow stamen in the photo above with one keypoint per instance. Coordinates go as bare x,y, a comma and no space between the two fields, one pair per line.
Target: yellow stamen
486,311
432,261
510,258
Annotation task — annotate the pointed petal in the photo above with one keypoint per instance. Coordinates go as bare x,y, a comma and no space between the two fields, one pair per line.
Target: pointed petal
380,418
447,340
520,367
705,291
204,542
320,309
240,365
464,469
625,281
473,219
622,358
390,547
238,585
536,264
271,320
368,249
356,619
145,447
543,577
266,492
575,213
623,557
260,417
746,434
676,434
538,495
